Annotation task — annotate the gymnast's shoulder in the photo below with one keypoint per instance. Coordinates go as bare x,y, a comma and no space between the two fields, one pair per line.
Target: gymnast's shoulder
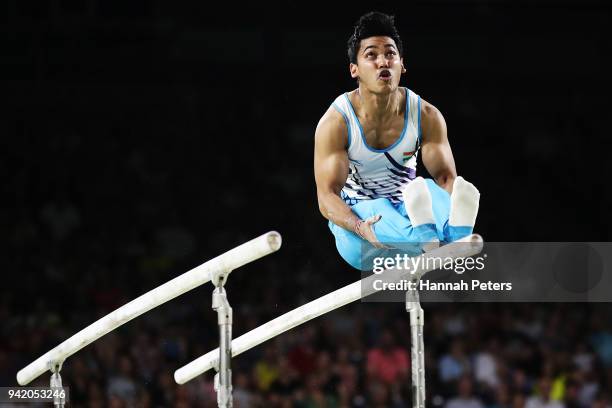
332,128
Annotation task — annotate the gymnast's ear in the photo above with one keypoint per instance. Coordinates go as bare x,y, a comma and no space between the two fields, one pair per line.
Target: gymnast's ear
354,69
403,67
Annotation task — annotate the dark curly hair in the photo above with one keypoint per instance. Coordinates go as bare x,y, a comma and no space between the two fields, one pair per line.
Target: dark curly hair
372,24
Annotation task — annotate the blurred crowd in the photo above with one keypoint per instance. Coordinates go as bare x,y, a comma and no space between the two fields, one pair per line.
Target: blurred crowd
477,356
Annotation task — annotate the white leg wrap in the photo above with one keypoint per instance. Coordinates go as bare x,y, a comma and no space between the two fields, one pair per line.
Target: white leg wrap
463,204
417,201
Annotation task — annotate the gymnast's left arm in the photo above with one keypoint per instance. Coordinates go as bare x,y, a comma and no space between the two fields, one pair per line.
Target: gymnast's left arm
436,151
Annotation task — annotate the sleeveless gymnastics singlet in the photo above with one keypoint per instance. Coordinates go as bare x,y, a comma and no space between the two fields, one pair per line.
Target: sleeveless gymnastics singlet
380,173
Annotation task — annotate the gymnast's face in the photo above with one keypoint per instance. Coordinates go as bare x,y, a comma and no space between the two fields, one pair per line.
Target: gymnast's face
379,65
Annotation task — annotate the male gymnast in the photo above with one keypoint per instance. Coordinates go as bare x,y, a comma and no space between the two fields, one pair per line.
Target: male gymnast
365,158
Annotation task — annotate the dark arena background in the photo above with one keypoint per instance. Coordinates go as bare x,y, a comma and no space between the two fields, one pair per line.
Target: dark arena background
140,139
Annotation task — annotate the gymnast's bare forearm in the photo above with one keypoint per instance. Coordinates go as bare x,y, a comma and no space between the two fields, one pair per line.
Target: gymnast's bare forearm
335,209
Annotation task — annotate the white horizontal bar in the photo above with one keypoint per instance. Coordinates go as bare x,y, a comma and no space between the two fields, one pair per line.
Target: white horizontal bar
230,260
464,247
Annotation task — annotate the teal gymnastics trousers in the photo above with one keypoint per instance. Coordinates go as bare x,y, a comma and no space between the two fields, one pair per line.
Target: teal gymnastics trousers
395,229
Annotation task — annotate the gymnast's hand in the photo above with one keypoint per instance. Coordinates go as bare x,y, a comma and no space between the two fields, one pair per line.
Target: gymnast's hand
365,229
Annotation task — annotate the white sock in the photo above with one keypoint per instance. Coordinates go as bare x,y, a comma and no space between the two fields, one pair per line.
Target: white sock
463,204
417,201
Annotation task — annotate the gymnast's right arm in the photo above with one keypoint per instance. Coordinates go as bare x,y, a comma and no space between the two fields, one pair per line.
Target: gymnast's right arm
331,166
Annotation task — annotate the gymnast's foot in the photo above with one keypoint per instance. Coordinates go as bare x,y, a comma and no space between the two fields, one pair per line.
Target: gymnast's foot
464,203
417,201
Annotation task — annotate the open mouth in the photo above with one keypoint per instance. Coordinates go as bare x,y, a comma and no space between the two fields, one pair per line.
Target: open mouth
385,75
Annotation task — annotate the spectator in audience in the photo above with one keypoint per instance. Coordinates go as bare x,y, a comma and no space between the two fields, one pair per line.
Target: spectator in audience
388,362
454,364
485,365
572,394
465,399
502,398
121,387
542,398
266,369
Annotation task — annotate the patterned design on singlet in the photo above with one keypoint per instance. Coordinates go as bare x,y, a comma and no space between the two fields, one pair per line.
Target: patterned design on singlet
380,173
